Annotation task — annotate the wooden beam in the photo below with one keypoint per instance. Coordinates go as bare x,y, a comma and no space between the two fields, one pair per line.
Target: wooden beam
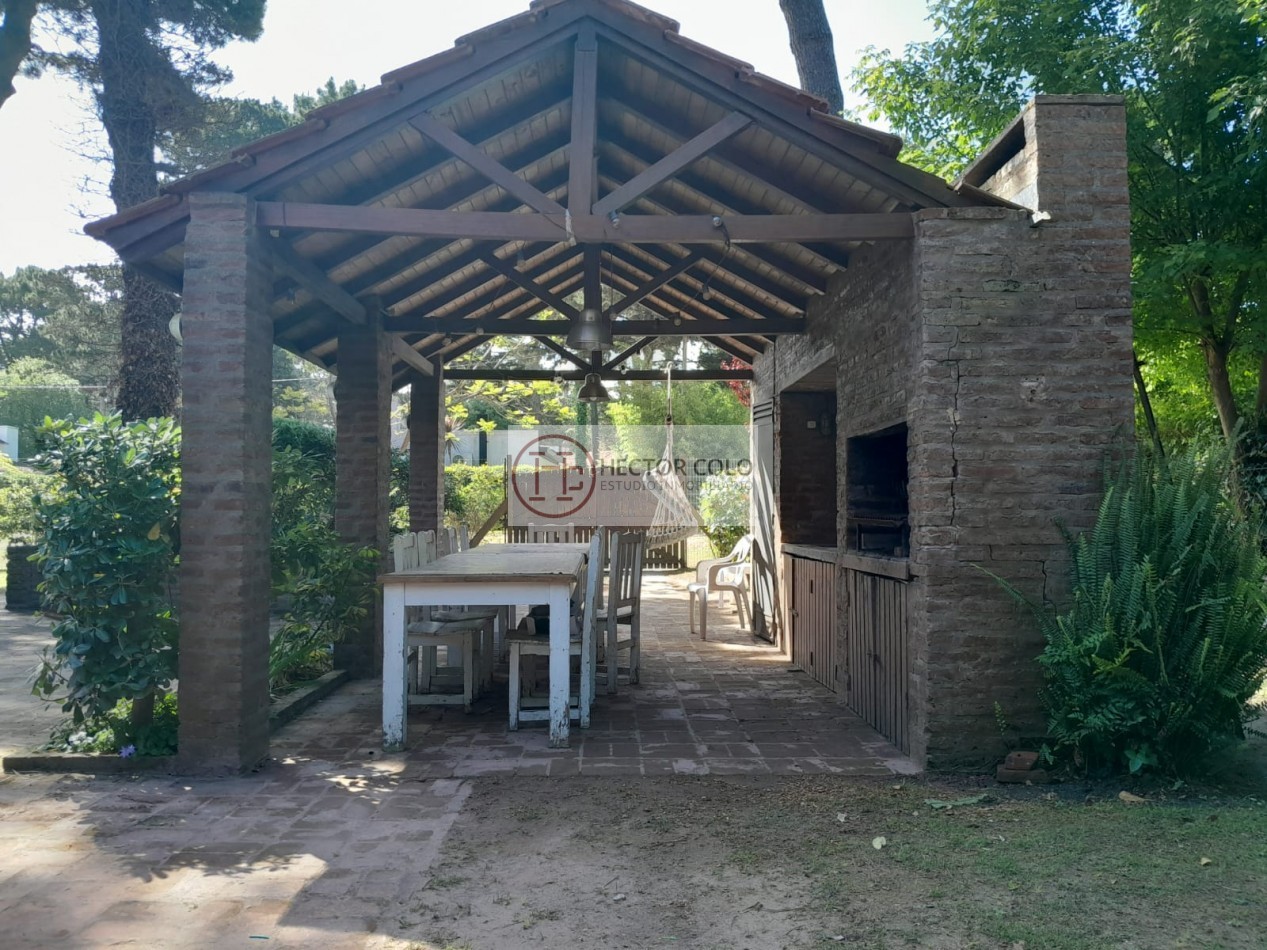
672,163
556,328
633,375
489,167
564,352
314,280
628,229
411,357
582,156
653,285
525,282
726,347
629,352
592,288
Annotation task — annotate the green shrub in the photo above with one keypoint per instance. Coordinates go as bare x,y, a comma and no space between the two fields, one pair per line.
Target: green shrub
330,588
472,493
1157,657
115,732
107,549
18,488
723,508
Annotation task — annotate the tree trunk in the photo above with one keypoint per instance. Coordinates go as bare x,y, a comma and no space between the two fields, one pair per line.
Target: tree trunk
1221,386
131,75
15,41
1146,404
810,36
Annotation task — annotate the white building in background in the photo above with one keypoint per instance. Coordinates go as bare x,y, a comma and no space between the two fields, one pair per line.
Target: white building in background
9,441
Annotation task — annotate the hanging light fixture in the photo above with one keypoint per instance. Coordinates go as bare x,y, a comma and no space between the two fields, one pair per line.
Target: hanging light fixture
593,390
590,331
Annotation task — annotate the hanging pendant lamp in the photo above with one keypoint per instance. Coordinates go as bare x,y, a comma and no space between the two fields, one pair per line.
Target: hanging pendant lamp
593,391
590,331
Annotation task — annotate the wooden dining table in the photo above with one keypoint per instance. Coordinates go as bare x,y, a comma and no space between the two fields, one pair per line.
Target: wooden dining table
491,575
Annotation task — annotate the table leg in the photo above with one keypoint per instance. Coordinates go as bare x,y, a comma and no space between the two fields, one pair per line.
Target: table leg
560,664
395,666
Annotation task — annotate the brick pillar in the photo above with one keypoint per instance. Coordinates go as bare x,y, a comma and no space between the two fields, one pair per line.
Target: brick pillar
1023,385
426,451
362,393
226,372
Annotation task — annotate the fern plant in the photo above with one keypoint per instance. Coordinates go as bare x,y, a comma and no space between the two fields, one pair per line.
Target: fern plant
1158,655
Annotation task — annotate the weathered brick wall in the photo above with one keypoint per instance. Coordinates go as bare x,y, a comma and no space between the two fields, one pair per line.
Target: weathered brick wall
362,393
807,503
1025,385
226,416
1006,349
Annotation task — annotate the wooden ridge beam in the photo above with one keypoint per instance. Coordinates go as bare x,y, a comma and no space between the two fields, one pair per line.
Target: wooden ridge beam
589,229
583,155
672,163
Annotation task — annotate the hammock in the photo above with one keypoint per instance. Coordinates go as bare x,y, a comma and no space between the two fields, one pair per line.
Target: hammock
675,518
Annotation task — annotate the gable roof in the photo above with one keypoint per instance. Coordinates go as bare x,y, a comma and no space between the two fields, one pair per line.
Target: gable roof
714,139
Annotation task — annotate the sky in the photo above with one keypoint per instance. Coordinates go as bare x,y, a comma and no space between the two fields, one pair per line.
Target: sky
48,189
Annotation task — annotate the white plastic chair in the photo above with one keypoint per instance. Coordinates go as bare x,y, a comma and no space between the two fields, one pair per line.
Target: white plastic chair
722,575
583,644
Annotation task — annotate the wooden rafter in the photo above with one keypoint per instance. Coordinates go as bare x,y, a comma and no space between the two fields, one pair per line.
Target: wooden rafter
523,326
637,375
314,280
672,163
411,357
583,156
629,352
563,351
483,163
544,294
652,285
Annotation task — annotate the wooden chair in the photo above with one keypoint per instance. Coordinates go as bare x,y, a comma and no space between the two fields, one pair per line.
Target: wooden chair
722,575
525,643
622,606
425,635
550,533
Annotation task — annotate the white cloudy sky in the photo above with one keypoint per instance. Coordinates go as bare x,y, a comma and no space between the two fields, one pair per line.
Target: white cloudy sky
46,127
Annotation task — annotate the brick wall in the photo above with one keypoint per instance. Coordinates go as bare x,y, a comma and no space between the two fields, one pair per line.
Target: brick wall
226,415
362,393
807,480
1005,348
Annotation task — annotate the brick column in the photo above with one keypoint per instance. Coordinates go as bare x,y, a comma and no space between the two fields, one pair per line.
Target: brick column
1023,387
226,372
426,451
362,393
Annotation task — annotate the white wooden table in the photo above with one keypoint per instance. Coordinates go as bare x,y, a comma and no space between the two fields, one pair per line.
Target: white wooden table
493,575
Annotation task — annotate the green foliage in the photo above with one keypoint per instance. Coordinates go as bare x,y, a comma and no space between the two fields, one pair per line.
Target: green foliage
1156,659
31,391
67,317
114,732
18,488
723,508
330,588
472,493
1192,75
107,548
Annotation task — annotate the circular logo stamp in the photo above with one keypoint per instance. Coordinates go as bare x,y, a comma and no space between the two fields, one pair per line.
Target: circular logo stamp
554,476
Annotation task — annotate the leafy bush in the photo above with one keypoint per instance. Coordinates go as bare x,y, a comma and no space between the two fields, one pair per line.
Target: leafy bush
472,493
331,590
723,508
1156,660
107,549
115,732
18,488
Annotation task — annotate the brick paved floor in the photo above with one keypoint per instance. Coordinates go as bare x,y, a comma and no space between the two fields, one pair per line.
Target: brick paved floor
729,705
332,844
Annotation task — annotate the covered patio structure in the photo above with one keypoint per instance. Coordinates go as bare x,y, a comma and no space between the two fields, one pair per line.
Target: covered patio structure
587,144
